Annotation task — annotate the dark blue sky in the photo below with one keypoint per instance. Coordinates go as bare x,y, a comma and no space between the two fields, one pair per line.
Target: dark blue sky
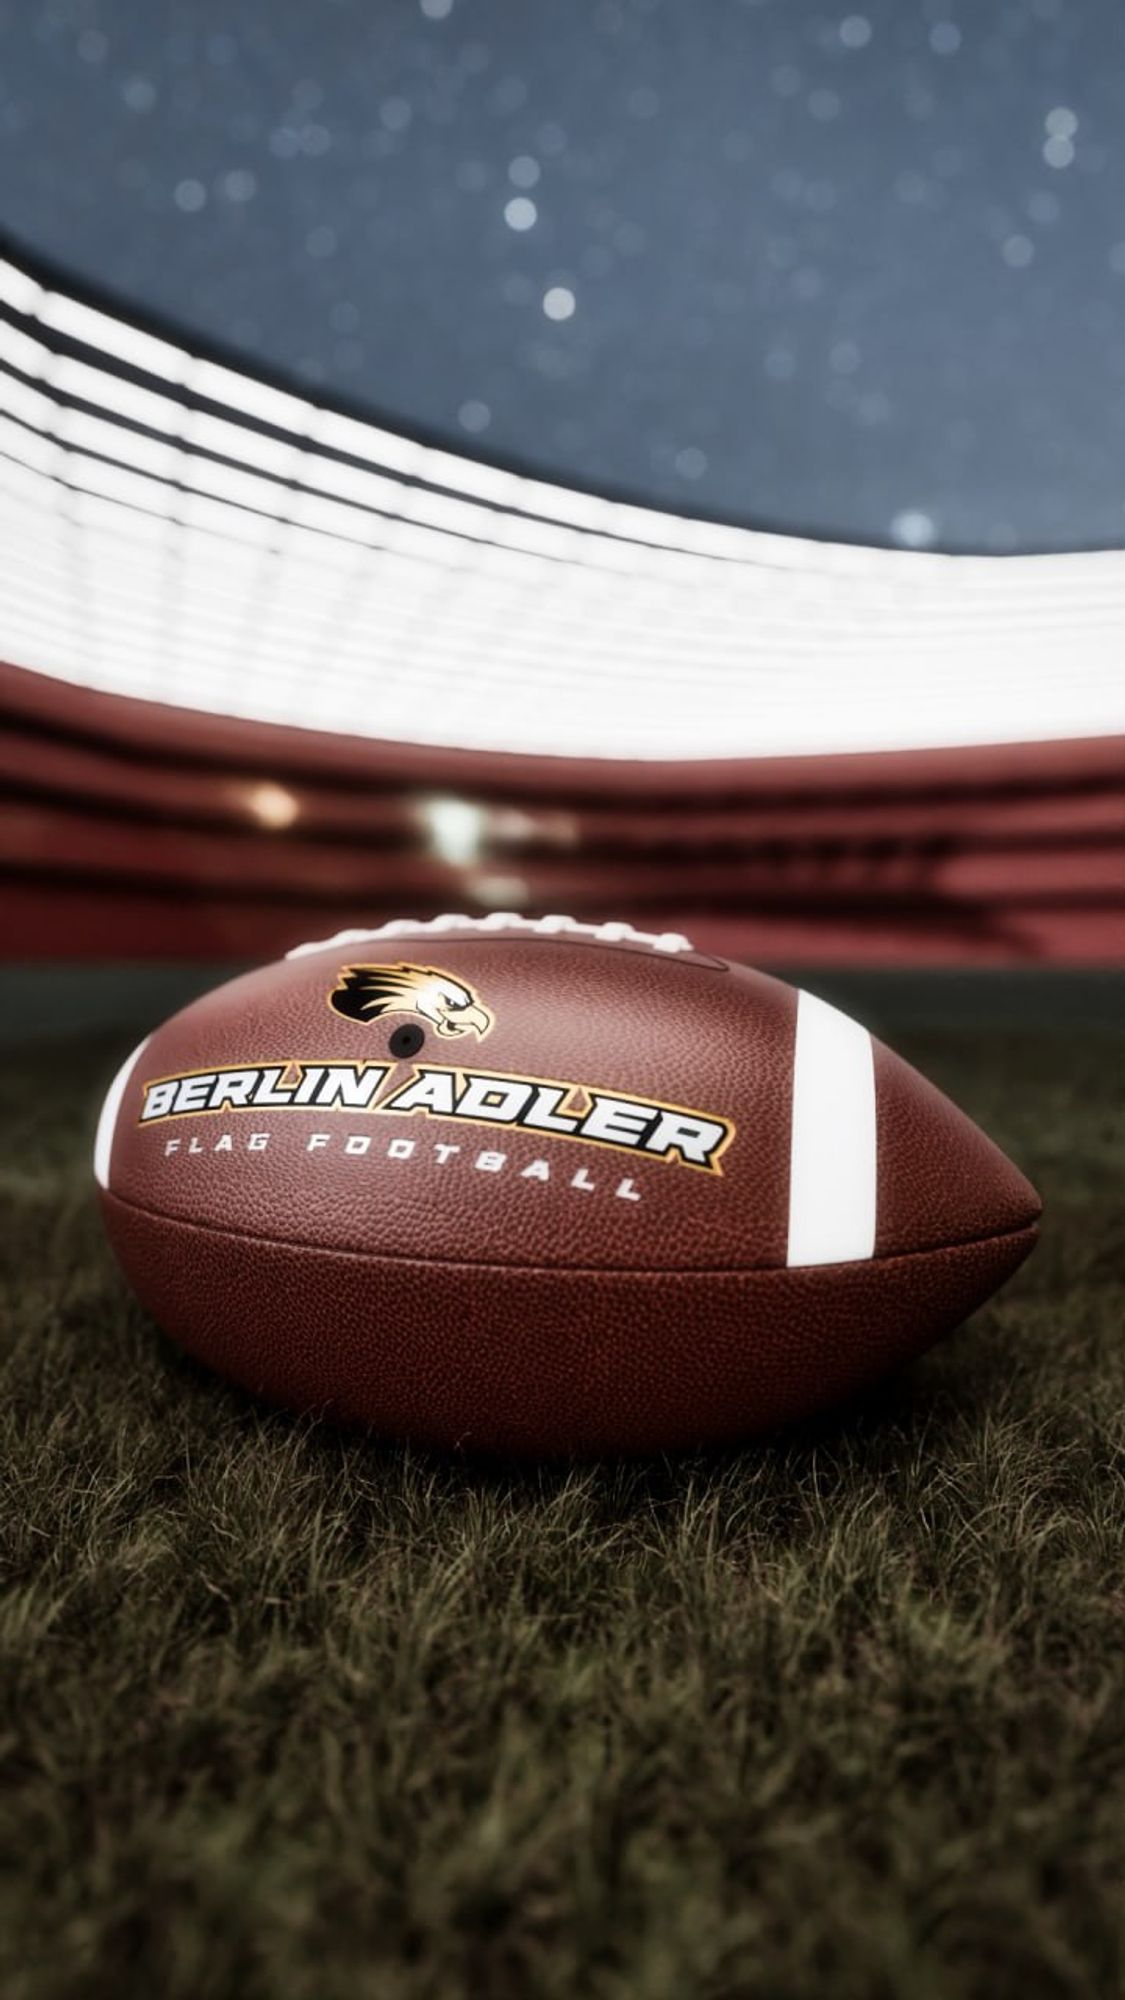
859,270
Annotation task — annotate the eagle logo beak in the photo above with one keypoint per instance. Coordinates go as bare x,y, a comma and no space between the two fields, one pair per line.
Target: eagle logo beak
474,1020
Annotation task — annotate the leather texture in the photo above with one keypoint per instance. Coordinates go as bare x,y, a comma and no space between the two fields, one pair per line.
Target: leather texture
620,1302
589,1361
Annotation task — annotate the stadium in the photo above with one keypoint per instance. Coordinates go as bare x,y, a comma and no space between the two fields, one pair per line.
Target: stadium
303,653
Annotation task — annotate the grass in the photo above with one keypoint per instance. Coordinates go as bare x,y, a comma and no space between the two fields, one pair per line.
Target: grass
289,1713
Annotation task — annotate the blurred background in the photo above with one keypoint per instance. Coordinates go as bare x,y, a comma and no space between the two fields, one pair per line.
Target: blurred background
637,459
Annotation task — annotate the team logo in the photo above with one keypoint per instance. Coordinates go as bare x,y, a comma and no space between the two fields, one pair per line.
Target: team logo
546,1107
368,992
538,1106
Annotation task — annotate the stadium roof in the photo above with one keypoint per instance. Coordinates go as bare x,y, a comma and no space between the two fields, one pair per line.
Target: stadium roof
178,529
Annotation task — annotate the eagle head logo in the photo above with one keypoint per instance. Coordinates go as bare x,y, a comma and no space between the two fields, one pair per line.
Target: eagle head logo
367,992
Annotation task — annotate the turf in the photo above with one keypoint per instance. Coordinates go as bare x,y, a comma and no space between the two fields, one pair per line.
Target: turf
291,1713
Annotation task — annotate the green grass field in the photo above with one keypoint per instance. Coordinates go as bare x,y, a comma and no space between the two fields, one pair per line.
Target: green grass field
842,1715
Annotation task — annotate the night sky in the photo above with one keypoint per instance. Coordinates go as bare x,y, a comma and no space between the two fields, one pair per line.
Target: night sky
857,273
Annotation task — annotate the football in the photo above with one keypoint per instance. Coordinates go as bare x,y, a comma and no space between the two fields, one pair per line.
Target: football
545,1187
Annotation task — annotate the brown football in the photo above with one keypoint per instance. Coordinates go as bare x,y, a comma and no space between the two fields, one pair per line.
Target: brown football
545,1187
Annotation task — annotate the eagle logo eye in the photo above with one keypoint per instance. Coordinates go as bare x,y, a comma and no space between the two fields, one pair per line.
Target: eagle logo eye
368,992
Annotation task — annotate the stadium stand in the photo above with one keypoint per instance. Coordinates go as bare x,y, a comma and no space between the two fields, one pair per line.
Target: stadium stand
272,665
